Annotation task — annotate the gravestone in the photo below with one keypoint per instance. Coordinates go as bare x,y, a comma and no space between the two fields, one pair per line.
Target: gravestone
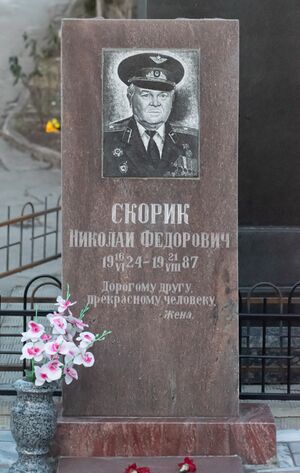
156,258
150,244
269,140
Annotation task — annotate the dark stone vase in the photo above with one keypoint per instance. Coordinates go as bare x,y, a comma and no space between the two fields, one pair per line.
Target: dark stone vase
33,424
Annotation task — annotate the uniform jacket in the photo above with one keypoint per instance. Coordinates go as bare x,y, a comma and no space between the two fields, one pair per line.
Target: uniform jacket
124,153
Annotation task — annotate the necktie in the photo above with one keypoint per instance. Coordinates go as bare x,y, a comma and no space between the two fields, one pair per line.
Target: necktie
152,149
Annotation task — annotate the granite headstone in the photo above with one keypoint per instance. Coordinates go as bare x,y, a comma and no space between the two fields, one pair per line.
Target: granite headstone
153,248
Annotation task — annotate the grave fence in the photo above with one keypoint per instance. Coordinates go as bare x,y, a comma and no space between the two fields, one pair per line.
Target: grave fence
29,239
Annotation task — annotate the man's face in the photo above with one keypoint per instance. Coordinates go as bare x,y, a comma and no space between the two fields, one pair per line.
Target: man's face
151,108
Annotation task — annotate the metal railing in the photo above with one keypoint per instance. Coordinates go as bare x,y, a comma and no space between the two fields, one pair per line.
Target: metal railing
18,237
28,301
269,342
269,337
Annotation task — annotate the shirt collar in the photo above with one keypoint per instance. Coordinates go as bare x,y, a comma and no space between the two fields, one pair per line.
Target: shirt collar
160,131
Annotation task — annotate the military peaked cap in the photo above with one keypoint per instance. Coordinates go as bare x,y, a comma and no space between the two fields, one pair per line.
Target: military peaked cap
151,70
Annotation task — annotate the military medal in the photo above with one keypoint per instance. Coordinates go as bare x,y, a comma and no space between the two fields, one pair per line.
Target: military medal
117,153
124,167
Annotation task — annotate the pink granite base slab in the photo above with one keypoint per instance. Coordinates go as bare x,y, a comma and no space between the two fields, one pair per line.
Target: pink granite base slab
156,465
252,436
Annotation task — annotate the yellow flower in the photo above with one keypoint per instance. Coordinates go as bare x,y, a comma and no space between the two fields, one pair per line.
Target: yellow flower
52,126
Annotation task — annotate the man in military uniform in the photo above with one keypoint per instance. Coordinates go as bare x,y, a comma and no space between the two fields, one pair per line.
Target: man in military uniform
147,144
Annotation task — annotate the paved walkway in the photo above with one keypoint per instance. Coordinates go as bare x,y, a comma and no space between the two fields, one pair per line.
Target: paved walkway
288,454
288,446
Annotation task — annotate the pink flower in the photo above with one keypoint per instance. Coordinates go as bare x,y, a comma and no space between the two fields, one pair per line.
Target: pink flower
32,351
58,323
86,339
34,332
86,359
70,333
70,374
63,304
50,371
53,369
53,347
72,353
78,323
67,348
41,375
45,337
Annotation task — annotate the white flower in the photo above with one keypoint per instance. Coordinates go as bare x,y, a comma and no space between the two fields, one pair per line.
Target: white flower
33,351
86,339
86,359
70,374
63,304
58,323
33,333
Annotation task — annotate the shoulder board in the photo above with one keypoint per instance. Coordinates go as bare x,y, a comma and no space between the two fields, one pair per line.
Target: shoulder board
120,125
184,129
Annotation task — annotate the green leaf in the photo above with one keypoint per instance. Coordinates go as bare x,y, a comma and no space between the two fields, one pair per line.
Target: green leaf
30,376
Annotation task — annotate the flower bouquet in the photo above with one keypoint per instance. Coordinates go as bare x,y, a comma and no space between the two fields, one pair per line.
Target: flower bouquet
53,353
52,356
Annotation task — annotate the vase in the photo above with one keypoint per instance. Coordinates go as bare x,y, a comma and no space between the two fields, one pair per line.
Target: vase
33,424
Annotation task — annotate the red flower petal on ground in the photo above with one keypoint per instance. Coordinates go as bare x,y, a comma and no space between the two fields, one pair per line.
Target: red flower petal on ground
134,469
187,465
131,468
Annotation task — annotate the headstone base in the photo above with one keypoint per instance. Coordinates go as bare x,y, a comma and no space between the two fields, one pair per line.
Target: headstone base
157,465
252,436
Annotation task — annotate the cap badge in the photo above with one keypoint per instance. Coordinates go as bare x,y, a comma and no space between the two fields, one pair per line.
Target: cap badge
124,167
117,153
158,59
156,74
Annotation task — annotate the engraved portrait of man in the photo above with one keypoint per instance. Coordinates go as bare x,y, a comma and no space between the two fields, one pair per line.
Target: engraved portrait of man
147,143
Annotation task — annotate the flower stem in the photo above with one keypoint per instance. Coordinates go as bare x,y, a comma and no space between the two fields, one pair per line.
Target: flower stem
36,314
84,311
102,336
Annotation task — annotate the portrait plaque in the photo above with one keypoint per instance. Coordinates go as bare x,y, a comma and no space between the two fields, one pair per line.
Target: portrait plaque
150,91
149,149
